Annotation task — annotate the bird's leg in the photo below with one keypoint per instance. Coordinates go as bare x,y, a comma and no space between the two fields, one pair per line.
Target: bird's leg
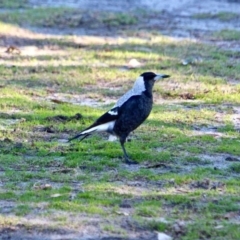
127,160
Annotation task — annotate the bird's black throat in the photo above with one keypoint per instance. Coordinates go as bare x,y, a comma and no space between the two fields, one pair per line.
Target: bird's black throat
148,89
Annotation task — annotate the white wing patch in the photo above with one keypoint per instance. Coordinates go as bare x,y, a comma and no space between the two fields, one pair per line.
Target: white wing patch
113,112
137,89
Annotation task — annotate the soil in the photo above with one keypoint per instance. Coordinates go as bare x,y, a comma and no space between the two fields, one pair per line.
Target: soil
172,18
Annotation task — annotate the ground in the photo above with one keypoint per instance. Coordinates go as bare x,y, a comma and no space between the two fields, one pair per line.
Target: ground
63,64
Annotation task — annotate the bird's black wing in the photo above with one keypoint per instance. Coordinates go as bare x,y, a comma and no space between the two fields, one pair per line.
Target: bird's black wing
107,117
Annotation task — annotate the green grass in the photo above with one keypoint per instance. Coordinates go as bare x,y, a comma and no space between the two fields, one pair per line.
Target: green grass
181,149
235,167
118,19
67,18
222,16
13,3
37,16
227,35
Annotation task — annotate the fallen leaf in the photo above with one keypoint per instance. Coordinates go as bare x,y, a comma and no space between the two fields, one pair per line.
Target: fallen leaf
122,213
219,227
182,190
44,186
13,49
57,101
187,96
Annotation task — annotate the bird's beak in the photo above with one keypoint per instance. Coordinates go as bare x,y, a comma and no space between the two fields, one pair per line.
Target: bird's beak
159,76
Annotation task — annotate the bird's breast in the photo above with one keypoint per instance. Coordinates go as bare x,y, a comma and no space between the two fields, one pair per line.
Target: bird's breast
133,115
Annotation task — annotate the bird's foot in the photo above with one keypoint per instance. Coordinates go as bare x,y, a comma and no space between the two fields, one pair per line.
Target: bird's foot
130,162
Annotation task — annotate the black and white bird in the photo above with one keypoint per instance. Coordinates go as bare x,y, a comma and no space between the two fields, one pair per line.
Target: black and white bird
130,111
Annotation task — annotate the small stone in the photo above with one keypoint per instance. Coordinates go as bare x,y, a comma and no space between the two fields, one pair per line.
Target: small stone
163,236
134,63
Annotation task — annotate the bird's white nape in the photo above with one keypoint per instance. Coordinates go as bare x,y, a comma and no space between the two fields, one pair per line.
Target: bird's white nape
137,89
139,85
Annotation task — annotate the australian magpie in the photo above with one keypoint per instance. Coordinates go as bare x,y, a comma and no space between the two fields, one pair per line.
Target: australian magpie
128,113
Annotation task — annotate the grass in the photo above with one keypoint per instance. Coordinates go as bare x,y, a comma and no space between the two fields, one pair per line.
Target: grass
67,17
75,185
227,35
13,4
34,16
222,16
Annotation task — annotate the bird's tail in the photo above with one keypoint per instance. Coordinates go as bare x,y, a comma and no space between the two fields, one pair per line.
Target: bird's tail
78,136
84,134
94,128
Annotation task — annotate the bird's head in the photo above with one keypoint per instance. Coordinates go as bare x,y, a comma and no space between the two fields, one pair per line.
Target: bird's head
150,76
146,81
